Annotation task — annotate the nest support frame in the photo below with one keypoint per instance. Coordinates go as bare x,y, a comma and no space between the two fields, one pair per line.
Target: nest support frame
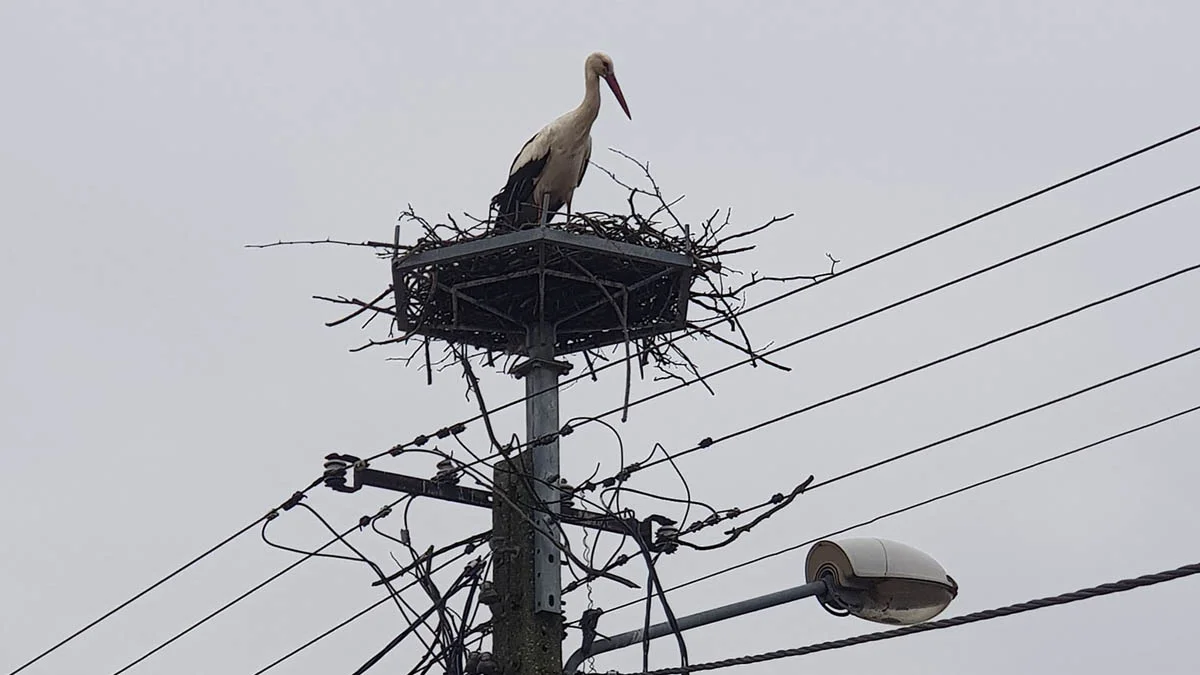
493,292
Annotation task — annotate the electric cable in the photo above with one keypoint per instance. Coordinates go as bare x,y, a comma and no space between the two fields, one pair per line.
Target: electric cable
974,617
354,617
926,502
810,485
391,644
216,547
401,603
711,441
233,602
420,440
875,312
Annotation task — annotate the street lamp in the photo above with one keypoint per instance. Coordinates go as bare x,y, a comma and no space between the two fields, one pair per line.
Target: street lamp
874,579
879,580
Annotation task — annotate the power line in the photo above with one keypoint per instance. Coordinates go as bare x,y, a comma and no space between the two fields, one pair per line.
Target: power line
422,439
925,502
216,547
710,441
809,485
767,302
974,617
825,331
239,598
368,608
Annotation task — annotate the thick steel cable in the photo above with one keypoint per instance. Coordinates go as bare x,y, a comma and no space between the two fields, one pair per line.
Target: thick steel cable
870,261
974,617
925,502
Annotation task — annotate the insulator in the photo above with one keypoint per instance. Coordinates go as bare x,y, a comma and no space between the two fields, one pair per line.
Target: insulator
335,471
446,472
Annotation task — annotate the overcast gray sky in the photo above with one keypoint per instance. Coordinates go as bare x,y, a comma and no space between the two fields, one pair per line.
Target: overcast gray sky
162,385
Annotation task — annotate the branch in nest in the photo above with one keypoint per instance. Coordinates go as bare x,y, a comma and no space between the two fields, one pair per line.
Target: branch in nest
367,244
363,306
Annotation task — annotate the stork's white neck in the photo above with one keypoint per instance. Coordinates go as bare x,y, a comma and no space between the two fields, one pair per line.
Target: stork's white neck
590,107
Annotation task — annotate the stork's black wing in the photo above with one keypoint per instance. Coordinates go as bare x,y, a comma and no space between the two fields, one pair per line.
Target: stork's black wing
514,203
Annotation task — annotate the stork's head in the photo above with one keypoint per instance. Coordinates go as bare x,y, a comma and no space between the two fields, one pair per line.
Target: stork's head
600,65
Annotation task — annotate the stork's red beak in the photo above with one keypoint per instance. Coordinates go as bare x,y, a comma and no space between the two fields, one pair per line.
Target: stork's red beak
616,90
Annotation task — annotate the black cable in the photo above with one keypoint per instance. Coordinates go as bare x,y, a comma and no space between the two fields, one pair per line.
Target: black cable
233,602
153,586
663,498
420,440
654,584
809,485
468,541
709,442
359,614
457,586
974,617
925,502
885,308
520,509
401,603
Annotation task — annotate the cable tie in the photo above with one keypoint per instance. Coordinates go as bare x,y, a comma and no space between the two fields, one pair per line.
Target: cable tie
396,449
705,442
776,498
458,428
444,432
420,440
567,430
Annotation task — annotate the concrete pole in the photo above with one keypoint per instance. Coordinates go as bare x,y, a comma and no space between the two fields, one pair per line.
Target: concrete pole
528,632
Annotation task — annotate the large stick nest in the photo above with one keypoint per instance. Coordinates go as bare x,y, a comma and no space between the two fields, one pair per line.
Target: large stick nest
718,292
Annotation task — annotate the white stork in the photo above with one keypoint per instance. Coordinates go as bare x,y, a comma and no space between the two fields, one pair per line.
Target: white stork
553,162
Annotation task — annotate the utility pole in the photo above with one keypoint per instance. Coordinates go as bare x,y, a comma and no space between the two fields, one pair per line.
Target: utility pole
536,293
528,622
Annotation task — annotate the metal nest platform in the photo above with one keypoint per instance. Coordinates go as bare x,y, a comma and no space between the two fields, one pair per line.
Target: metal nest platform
594,292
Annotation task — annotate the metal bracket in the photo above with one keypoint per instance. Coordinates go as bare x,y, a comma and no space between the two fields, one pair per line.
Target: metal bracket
366,477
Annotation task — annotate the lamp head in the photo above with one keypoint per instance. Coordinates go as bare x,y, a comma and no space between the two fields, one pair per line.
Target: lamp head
880,580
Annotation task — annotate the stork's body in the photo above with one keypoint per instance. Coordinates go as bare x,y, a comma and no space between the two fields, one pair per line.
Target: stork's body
553,162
